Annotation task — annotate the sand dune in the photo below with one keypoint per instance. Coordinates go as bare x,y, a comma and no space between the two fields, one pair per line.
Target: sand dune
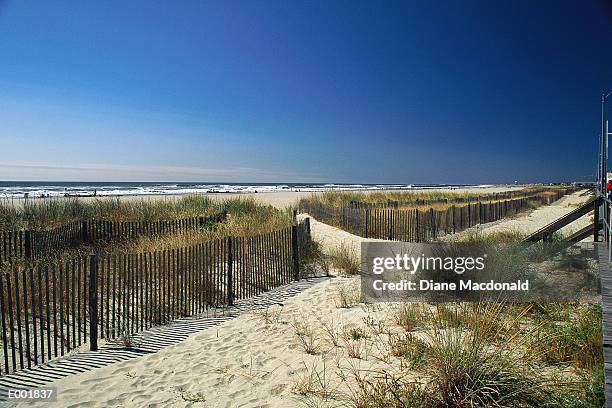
255,359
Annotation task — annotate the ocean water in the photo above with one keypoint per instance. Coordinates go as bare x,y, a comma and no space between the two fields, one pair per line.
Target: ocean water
30,189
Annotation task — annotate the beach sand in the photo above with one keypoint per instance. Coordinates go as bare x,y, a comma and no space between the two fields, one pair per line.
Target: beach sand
255,359
284,199
290,198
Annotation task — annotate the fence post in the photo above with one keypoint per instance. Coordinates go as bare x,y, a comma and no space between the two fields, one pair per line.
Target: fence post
469,207
294,252
390,224
230,267
432,216
84,233
307,226
93,302
596,219
28,245
416,224
367,216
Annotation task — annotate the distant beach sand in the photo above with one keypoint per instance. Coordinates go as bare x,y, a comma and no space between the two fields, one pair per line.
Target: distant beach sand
291,198
284,199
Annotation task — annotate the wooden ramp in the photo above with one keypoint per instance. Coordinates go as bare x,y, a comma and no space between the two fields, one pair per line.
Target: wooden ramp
605,271
583,233
545,232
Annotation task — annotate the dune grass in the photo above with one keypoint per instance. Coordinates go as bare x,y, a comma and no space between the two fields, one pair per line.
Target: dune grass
410,199
466,371
251,221
245,218
468,354
575,340
490,355
54,212
345,260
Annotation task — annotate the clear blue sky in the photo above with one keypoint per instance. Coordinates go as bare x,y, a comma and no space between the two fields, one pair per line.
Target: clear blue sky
411,92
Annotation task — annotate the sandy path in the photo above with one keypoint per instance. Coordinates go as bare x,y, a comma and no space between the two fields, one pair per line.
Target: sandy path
540,217
246,362
332,238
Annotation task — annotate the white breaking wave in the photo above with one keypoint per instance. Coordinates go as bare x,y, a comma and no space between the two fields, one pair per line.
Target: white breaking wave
40,190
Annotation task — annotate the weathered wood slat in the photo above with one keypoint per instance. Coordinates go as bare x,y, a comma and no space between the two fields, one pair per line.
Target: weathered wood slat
4,328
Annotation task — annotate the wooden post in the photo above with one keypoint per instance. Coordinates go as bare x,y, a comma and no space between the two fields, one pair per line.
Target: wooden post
367,217
307,226
390,224
469,207
606,208
432,216
230,267
4,338
295,256
596,218
84,233
93,302
416,224
28,245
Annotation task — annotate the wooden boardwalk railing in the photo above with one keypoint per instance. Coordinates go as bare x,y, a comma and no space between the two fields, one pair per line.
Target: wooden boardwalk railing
545,232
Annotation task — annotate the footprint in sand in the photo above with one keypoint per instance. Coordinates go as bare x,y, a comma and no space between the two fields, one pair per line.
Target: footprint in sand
82,404
278,389
97,380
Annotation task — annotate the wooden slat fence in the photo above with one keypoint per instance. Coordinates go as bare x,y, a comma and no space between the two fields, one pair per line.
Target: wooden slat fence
32,244
506,195
14,245
51,310
414,225
43,242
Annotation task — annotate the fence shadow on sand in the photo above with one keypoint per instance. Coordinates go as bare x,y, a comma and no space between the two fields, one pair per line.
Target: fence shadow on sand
149,341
